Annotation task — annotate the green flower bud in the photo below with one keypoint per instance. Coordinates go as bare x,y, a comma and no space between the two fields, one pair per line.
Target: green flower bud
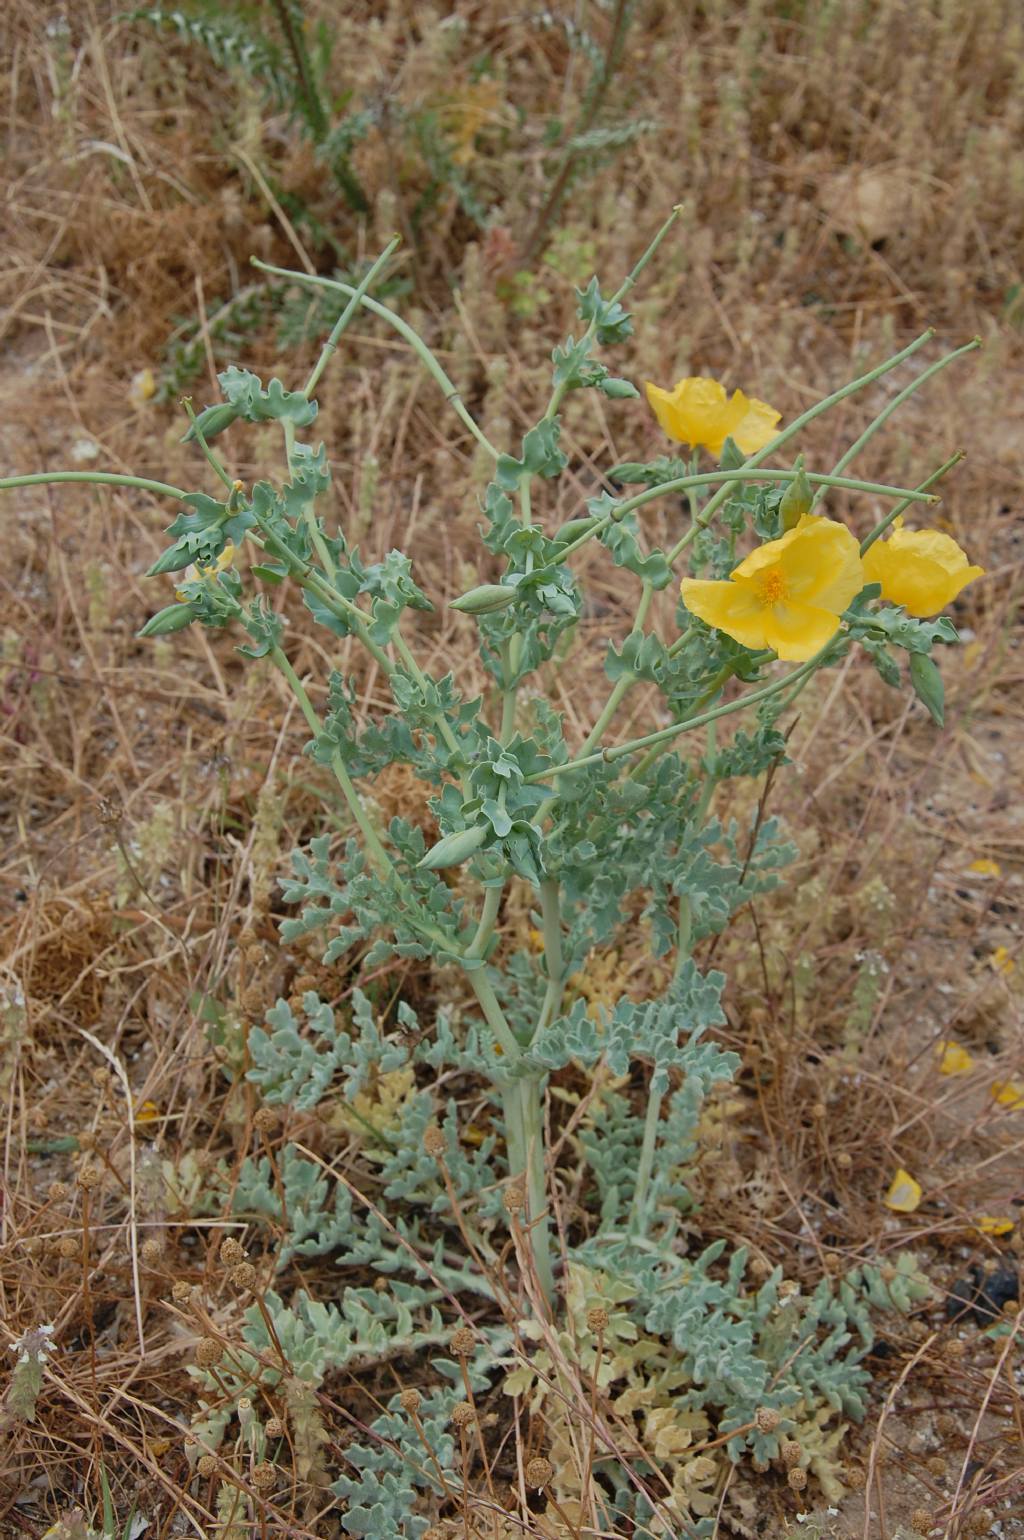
175,559
453,849
618,390
928,686
796,500
574,529
484,600
212,421
174,618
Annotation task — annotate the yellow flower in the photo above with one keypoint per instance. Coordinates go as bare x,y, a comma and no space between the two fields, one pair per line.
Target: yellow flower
787,595
1009,1093
983,867
222,563
696,412
993,1224
904,1193
922,569
953,1060
1001,960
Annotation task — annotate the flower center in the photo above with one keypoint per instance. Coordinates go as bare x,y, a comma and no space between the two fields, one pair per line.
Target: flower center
773,587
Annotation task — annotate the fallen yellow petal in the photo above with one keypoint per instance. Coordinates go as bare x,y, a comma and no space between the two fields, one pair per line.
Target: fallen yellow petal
983,867
1009,1093
953,1060
904,1193
992,1224
146,1112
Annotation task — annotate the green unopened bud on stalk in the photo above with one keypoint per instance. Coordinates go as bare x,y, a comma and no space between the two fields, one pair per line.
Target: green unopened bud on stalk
174,618
797,498
453,849
484,600
574,529
927,682
212,421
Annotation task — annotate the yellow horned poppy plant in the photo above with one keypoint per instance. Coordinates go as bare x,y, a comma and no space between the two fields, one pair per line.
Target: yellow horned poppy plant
697,412
788,594
922,569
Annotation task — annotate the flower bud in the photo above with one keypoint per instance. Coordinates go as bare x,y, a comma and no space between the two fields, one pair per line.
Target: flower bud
796,500
574,529
174,618
212,421
927,682
453,849
484,600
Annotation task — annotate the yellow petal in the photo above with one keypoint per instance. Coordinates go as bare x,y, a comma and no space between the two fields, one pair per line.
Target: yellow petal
147,1112
729,607
921,569
692,411
797,631
904,1193
818,561
696,412
1001,960
953,1060
992,1224
985,868
1009,1093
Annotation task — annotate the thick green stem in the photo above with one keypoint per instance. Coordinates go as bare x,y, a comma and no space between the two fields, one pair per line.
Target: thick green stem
666,734
488,919
894,513
625,681
419,347
897,401
376,850
95,478
522,1102
551,912
344,320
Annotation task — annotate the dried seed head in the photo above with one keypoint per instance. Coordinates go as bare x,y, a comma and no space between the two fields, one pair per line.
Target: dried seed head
844,1160
797,1478
462,1415
181,1291
206,1464
58,1191
856,1480
463,1342
89,1178
275,1427
434,1141
937,1465
409,1401
982,1521
767,1419
788,1288
758,1268
538,1472
68,1247
514,1196
252,999
265,1121
152,1251
264,1476
597,1319
86,1139
946,1425
888,1273
243,1276
954,1348
790,1452
231,1252
819,1111
208,1352
922,1521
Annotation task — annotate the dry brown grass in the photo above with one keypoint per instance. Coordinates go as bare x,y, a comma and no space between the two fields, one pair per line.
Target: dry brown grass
850,173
